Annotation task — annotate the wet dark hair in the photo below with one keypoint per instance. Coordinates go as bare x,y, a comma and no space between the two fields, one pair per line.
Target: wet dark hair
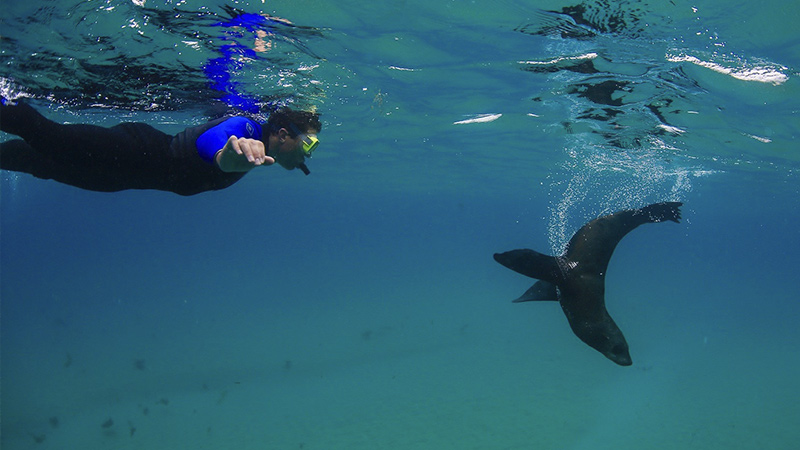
295,122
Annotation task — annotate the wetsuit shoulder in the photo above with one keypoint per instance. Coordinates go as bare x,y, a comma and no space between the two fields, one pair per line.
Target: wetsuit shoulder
213,138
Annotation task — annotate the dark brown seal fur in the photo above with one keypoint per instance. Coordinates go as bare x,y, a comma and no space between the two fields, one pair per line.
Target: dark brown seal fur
577,278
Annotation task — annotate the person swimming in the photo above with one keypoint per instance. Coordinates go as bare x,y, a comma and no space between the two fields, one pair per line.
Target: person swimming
203,158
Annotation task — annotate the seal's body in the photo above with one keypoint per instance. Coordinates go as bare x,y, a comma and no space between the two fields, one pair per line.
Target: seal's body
577,278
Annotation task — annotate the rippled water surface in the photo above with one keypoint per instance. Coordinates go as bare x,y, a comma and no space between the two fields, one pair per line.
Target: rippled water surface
360,307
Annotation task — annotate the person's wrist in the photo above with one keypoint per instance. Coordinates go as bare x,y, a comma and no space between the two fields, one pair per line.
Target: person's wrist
218,158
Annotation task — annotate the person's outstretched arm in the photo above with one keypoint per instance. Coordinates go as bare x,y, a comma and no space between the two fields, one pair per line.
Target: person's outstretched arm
242,154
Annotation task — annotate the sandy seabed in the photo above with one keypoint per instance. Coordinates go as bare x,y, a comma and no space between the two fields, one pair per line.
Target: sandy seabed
463,392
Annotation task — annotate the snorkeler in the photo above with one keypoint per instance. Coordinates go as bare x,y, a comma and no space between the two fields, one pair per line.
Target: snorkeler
137,156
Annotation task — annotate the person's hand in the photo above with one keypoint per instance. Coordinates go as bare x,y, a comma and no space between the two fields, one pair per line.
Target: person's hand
242,154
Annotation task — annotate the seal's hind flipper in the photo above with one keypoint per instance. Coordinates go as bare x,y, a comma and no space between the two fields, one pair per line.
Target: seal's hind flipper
593,244
659,212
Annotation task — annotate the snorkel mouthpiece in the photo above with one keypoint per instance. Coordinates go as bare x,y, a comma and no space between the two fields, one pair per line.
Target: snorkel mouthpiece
310,143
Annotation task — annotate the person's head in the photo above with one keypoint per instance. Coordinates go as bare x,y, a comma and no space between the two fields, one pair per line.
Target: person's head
292,137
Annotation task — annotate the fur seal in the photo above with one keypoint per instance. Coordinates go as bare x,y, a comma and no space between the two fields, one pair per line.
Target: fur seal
576,279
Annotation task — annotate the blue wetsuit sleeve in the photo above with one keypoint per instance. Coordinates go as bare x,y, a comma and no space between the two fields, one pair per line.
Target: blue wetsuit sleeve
213,139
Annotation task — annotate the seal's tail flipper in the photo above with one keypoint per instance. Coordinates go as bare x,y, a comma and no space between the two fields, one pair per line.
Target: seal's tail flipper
541,291
532,264
659,212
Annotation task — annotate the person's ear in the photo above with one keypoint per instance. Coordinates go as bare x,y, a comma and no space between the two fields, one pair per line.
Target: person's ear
283,134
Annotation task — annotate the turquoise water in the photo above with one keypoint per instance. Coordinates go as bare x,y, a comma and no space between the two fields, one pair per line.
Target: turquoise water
360,307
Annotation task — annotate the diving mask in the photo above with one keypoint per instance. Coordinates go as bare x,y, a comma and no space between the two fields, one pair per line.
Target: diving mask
310,143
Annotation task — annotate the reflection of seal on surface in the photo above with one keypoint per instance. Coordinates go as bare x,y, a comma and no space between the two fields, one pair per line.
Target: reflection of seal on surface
577,278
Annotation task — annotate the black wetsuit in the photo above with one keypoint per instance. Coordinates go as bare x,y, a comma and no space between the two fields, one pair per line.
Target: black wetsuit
125,156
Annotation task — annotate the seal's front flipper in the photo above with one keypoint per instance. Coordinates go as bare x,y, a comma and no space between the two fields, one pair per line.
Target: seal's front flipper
531,264
541,291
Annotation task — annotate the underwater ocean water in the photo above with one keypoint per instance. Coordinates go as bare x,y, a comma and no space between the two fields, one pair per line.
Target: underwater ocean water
360,307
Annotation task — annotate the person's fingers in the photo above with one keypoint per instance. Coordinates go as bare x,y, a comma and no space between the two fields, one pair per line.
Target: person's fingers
246,150
253,150
233,142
